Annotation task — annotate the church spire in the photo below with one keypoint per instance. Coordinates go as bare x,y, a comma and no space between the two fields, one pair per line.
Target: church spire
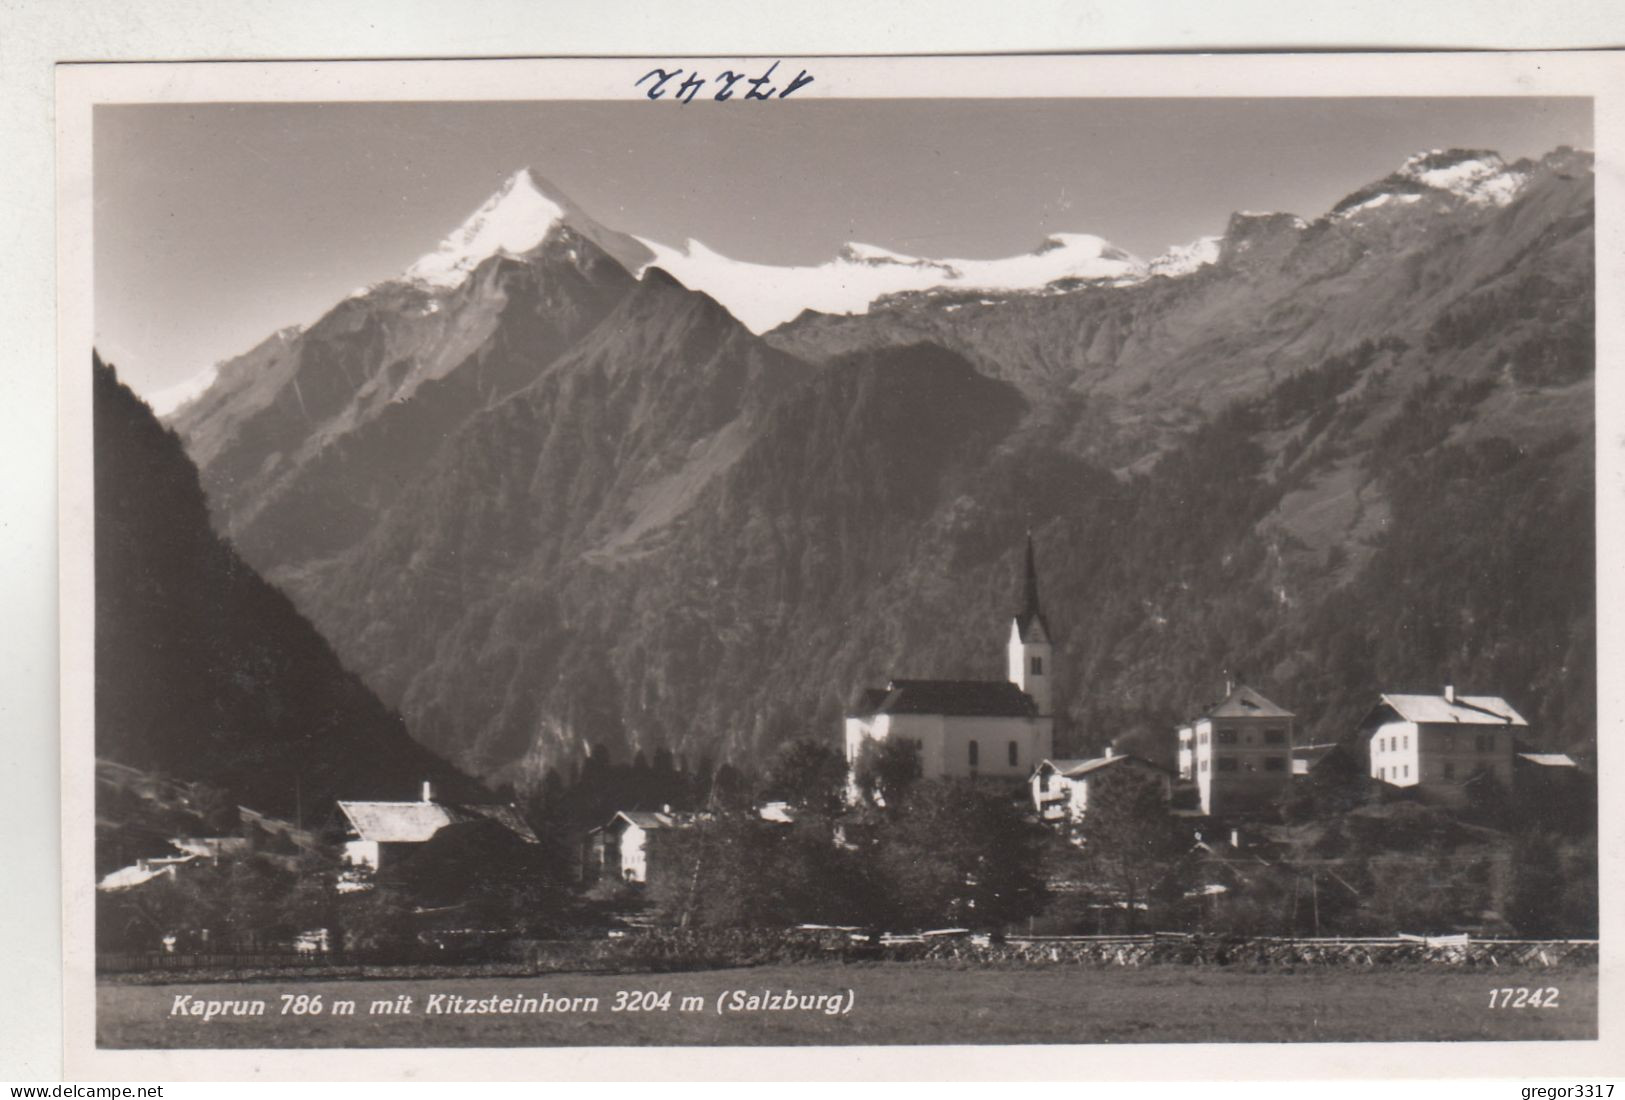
1030,649
1029,605
1030,616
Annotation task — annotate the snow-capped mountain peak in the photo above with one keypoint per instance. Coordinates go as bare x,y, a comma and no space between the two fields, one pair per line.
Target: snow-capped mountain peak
1477,175
1183,259
765,295
514,220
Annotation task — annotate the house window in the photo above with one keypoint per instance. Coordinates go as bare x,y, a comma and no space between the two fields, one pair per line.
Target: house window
1275,763
1275,737
1406,768
1227,763
1405,742
1015,754
973,751
1382,773
1204,763
1038,666
1201,738
1043,782
1227,737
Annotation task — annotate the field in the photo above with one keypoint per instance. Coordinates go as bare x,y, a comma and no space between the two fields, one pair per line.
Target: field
890,1003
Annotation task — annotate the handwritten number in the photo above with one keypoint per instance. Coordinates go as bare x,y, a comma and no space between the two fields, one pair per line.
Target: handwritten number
759,87
801,81
655,91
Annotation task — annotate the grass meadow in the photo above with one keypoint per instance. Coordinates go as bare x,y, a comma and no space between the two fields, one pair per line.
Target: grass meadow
891,1003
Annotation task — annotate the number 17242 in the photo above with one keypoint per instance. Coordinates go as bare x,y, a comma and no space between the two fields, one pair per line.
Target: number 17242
1521,997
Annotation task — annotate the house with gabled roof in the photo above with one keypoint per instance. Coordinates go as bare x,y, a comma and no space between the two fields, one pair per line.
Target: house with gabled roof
1437,744
1238,752
380,831
628,846
1062,788
972,729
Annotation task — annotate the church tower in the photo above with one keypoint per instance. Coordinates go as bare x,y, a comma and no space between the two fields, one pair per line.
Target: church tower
1030,650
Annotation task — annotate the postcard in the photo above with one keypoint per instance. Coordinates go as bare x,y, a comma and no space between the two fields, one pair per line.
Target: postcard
1003,566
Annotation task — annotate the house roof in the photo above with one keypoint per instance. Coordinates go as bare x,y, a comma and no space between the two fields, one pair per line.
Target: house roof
1244,702
964,698
1549,759
1073,769
647,819
416,822
1467,710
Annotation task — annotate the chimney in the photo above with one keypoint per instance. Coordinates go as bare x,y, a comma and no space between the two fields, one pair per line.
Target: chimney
1229,686
1110,752
1450,693
428,791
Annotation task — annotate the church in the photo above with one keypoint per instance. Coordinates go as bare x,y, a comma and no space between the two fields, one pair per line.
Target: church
972,729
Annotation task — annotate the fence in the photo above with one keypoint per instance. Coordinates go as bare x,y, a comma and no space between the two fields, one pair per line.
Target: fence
670,950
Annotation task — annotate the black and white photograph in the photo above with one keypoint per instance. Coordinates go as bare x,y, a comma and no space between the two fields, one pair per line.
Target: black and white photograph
746,558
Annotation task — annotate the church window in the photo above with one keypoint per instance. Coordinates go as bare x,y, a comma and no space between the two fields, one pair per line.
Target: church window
1275,763
1227,763
1038,666
1015,754
973,750
1227,737
1275,737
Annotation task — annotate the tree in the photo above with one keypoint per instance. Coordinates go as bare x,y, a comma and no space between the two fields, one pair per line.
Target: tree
810,775
885,771
1129,847
498,880
957,853
737,871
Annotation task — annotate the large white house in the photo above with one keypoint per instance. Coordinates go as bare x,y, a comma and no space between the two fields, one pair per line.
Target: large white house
1238,752
972,729
1436,743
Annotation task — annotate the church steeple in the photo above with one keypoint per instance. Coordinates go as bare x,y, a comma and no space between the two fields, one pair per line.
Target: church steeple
1030,652
1029,606
1030,616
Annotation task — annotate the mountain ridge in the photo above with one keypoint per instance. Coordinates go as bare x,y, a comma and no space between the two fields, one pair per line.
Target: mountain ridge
620,516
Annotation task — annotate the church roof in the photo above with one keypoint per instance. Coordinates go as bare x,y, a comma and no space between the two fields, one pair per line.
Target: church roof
963,698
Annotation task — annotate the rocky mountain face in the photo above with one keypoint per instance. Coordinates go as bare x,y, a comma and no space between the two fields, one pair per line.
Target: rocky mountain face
553,497
204,672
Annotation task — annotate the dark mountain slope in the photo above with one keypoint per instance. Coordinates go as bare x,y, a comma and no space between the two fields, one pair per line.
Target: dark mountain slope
304,451
203,671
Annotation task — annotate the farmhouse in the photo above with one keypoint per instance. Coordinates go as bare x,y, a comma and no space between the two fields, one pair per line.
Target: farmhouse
1238,752
1437,743
1061,788
972,729
380,831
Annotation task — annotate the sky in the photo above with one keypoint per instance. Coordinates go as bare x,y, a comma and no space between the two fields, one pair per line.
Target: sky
217,224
